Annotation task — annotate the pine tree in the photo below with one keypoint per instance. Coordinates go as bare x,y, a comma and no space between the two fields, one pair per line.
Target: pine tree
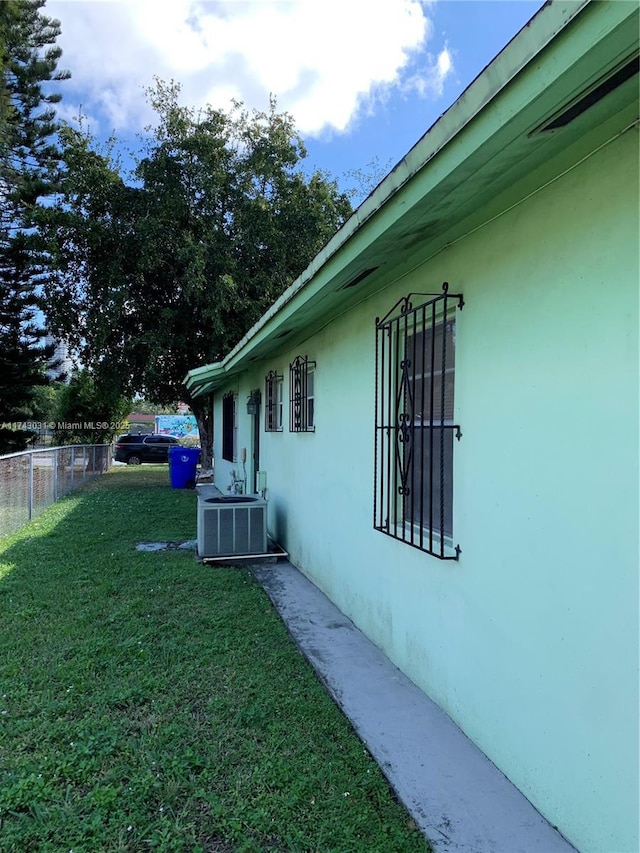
28,158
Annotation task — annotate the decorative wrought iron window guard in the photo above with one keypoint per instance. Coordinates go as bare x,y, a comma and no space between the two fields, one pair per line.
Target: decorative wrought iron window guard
273,402
414,431
301,402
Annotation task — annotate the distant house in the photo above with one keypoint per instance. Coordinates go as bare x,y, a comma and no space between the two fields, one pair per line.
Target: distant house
141,422
445,404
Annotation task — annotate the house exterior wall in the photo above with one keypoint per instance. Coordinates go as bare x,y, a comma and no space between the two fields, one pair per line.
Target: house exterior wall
530,641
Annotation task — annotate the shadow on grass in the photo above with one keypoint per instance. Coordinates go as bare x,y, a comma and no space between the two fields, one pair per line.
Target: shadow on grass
148,702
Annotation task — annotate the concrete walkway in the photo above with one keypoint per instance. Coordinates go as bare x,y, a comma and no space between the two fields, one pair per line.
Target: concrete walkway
457,797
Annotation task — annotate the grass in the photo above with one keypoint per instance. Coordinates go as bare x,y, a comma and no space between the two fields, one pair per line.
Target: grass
150,703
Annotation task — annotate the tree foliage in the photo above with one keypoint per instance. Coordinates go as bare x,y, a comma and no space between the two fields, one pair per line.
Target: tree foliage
28,157
22,366
89,412
169,270
146,407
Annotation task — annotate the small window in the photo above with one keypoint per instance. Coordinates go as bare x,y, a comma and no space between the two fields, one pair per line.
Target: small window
415,424
273,402
302,395
229,427
311,372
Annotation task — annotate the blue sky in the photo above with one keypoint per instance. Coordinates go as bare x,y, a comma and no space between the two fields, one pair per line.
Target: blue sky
364,79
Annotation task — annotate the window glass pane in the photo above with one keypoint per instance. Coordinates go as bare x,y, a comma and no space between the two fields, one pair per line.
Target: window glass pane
278,397
268,402
421,390
425,347
235,428
430,401
430,500
310,399
228,427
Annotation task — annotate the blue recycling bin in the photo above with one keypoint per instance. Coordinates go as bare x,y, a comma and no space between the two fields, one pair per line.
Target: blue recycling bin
183,462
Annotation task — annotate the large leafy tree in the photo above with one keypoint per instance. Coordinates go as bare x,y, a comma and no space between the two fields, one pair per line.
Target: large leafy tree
169,270
28,156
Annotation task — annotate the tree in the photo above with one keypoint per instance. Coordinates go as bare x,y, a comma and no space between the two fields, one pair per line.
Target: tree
89,412
170,270
22,362
28,157
146,407
46,402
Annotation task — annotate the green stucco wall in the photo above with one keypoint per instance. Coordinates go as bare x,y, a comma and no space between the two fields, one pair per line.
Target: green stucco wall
530,641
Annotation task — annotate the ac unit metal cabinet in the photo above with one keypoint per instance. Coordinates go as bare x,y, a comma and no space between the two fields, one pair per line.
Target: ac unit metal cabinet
232,526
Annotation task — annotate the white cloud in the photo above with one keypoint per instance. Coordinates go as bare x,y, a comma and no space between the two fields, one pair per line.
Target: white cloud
321,58
429,80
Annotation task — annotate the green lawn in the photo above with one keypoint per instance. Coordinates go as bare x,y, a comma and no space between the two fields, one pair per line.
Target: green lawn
148,702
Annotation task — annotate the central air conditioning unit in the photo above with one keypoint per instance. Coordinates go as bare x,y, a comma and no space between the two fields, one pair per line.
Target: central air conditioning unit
232,525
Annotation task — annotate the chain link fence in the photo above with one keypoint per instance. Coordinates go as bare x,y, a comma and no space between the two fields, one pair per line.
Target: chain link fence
33,480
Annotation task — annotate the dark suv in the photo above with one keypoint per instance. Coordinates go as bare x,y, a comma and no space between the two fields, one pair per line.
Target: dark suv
134,449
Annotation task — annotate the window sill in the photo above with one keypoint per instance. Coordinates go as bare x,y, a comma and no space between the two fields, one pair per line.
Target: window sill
409,534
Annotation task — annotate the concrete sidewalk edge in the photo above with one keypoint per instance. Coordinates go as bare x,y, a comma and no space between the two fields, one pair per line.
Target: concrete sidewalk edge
458,798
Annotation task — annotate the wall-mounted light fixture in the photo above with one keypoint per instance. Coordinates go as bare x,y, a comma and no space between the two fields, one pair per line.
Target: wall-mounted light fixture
253,402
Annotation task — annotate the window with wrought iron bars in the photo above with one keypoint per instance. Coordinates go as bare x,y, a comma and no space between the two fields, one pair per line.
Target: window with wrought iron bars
229,427
302,395
415,428
273,402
